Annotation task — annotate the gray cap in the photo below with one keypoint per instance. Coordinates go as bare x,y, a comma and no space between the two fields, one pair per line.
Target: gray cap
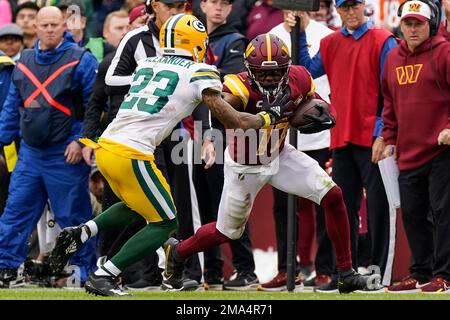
11,29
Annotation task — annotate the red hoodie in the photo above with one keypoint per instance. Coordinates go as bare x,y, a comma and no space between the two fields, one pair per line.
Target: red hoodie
416,108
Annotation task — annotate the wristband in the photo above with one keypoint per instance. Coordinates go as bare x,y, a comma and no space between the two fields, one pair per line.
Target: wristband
266,118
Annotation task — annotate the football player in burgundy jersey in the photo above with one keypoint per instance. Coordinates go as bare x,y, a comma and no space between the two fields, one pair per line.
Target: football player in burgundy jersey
259,157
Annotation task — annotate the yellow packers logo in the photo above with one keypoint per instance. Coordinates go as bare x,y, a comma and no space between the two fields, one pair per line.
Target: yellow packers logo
198,26
414,7
408,74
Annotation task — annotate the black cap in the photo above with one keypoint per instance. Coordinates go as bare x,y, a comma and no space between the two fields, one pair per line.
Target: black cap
25,5
148,4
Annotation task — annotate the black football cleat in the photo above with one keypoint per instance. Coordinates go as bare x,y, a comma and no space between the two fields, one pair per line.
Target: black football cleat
350,280
174,265
67,243
103,286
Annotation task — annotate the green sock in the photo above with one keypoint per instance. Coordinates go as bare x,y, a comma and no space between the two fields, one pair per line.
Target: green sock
143,243
118,215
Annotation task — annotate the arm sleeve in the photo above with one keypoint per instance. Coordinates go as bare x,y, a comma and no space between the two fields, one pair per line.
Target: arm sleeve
388,45
314,65
206,77
97,103
10,117
389,132
119,74
83,81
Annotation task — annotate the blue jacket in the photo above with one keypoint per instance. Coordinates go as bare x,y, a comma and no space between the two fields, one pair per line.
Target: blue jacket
6,69
83,79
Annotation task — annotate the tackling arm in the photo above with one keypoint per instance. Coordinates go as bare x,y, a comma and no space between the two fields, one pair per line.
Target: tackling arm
231,118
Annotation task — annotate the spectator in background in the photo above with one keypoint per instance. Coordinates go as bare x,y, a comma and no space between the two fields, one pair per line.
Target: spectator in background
444,29
11,40
25,18
326,15
316,146
131,4
5,12
419,139
115,27
137,18
101,9
8,155
96,188
262,18
48,165
75,16
353,59
237,18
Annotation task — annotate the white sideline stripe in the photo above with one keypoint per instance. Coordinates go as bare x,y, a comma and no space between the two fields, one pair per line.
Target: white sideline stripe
159,197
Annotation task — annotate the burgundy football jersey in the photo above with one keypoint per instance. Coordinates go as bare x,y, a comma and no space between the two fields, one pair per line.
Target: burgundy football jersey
255,147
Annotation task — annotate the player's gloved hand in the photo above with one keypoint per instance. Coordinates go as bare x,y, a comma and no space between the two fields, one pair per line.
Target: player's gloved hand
322,122
280,108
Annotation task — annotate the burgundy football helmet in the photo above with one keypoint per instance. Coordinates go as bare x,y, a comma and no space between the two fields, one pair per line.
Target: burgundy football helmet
267,61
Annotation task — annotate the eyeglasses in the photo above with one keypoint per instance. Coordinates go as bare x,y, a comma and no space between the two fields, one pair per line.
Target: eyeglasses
347,6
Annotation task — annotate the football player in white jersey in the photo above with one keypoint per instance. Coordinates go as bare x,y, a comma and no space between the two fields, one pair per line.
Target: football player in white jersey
164,90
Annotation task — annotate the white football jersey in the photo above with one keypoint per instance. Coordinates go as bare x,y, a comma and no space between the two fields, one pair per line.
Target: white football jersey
164,90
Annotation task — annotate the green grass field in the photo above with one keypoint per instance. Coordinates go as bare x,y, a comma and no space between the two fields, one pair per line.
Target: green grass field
79,294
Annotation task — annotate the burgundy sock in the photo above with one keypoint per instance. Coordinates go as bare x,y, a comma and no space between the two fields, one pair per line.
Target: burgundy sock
307,226
338,229
207,236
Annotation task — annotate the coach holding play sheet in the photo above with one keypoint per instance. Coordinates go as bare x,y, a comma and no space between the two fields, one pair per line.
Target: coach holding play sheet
416,90
353,58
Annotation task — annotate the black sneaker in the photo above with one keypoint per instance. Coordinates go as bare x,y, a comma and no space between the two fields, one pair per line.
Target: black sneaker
174,265
213,283
331,287
305,271
8,277
244,281
67,243
186,285
141,285
350,280
103,286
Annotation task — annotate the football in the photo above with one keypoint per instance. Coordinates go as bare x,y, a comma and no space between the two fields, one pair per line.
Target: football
306,107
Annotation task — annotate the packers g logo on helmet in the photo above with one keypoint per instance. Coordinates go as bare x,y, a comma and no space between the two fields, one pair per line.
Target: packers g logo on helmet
184,35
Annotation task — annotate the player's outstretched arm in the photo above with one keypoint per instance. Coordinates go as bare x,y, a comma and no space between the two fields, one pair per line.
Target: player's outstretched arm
231,118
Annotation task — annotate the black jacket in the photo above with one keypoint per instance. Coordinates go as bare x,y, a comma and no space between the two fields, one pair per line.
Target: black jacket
101,108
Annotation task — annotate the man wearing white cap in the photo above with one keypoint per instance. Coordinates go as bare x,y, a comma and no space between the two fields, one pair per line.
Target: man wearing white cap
416,90
353,59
